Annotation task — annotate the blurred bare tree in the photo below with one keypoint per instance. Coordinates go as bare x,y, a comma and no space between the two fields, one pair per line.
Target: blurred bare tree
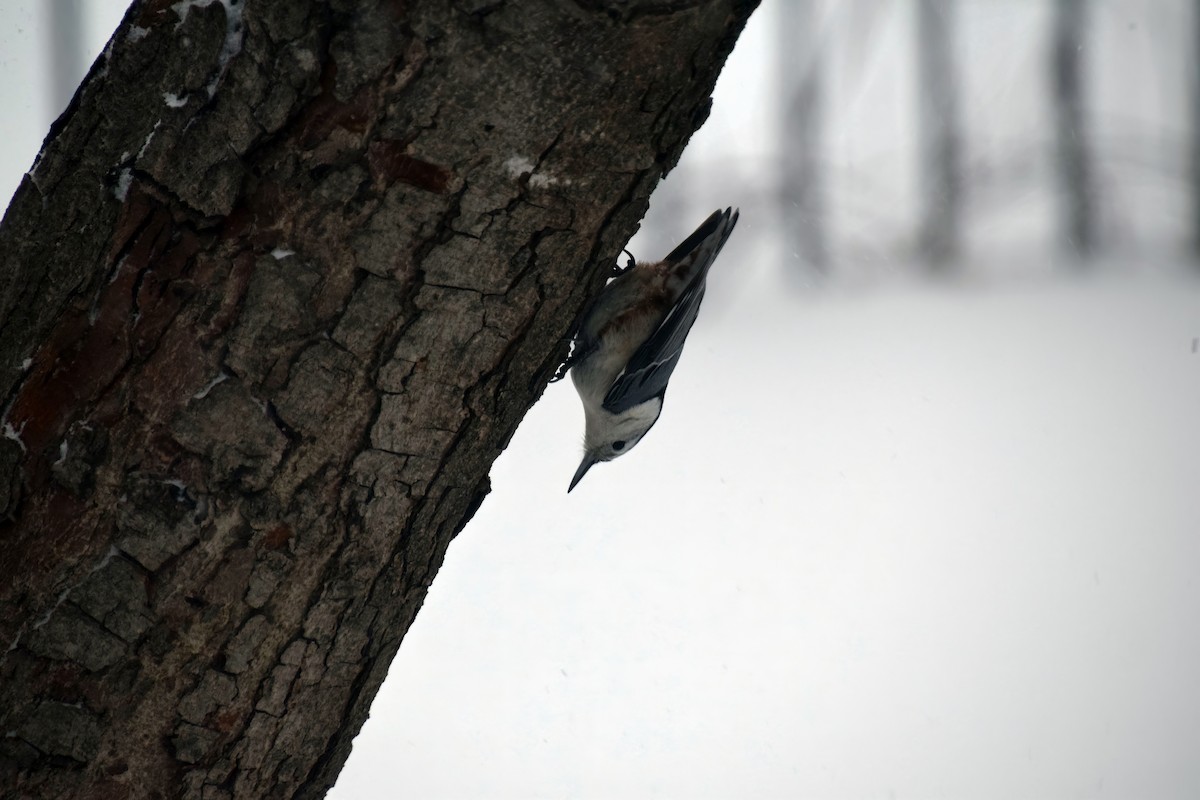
802,189
838,128
940,137
1193,87
1074,158
65,53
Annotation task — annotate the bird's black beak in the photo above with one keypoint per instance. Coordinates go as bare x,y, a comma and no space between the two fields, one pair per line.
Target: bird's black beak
584,466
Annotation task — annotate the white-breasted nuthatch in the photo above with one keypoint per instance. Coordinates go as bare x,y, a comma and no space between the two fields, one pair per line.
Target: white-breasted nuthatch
630,341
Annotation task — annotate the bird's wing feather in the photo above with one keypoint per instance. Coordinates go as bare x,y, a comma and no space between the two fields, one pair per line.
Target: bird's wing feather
650,368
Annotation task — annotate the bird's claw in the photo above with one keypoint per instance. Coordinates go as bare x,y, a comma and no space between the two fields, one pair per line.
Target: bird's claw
619,270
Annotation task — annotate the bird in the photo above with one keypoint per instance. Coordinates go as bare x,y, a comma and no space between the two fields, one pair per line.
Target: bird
630,339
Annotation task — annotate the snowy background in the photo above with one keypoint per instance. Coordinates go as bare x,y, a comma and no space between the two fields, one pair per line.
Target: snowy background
893,536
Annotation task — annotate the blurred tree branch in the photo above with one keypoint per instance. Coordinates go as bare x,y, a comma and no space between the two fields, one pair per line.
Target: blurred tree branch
1074,152
941,134
801,62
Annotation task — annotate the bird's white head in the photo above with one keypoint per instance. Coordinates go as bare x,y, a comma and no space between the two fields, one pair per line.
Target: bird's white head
608,435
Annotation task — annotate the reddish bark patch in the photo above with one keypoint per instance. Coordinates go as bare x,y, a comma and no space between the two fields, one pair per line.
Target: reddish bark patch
389,163
178,369
75,365
162,291
227,721
327,112
109,789
90,348
256,221
277,537
57,529
231,297
152,11
399,8
62,683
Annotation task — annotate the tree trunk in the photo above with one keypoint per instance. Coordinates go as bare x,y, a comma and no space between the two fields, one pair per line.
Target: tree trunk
274,296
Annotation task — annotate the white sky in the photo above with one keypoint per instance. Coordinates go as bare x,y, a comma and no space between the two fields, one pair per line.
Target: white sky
888,539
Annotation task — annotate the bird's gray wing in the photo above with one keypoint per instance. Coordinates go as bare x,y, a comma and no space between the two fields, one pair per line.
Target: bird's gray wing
650,368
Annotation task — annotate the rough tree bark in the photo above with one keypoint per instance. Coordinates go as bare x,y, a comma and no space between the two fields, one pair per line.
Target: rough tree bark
275,295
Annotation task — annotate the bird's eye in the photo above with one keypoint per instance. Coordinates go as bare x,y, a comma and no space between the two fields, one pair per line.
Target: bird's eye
619,445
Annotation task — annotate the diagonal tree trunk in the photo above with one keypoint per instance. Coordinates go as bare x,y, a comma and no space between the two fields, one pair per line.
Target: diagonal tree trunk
280,286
